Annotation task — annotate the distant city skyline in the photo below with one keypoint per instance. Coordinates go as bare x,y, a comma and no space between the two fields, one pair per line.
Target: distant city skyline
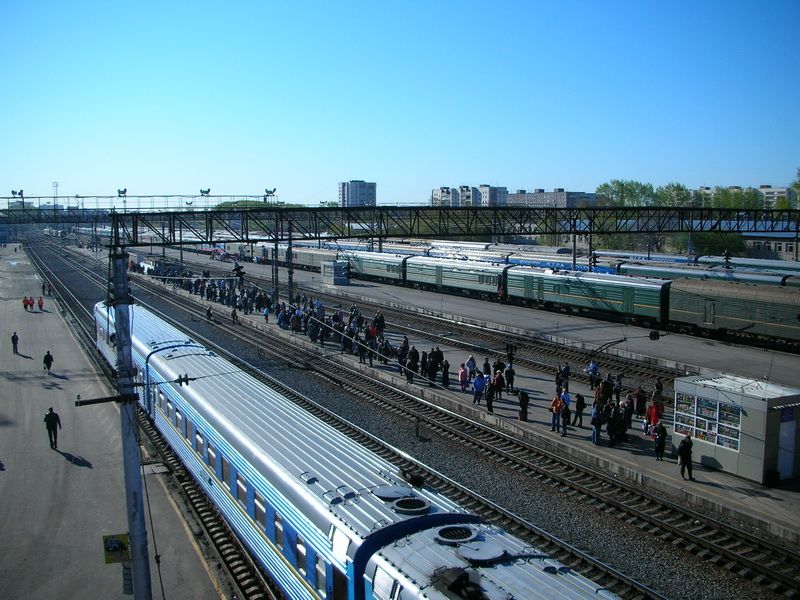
168,98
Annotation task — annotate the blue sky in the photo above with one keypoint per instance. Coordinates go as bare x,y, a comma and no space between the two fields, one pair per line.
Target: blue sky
169,97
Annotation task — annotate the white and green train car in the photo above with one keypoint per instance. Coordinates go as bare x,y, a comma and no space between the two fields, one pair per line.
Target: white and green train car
374,265
616,294
459,275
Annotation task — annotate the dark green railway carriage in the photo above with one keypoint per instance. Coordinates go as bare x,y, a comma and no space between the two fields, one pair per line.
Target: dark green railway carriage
373,265
462,276
595,292
754,310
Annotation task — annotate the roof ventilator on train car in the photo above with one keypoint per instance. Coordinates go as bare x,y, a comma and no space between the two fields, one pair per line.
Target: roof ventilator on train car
455,534
481,551
308,478
390,493
411,505
457,583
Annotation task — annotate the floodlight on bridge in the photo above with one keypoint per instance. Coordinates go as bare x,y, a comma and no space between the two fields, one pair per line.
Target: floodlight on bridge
122,193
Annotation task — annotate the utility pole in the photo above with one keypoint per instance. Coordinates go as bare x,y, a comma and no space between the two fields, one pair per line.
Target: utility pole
290,275
137,531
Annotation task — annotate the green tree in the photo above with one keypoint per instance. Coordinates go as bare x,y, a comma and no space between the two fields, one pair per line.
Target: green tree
737,198
621,193
716,243
796,187
673,194
627,193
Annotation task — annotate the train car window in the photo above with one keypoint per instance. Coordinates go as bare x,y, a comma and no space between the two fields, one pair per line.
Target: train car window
278,531
340,542
322,577
226,474
261,511
212,458
169,411
383,585
179,422
300,546
198,442
161,401
241,491
188,432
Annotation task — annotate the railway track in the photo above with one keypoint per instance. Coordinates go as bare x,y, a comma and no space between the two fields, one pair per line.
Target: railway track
748,555
247,576
531,352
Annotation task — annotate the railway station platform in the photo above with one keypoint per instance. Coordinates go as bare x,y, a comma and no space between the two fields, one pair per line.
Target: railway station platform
773,511
59,503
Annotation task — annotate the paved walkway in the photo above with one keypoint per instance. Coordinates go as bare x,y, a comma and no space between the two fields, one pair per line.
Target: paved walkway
58,503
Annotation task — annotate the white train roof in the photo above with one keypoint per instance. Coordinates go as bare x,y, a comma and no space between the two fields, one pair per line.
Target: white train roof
500,563
308,460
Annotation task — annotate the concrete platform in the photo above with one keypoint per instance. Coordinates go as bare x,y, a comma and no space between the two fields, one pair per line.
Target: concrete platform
58,504
772,510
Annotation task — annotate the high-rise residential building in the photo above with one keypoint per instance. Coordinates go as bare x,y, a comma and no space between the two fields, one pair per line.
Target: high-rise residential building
445,196
771,195
558,198
469,195
357,193
493,196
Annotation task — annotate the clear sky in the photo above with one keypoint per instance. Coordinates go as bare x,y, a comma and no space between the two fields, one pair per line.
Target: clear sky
168,97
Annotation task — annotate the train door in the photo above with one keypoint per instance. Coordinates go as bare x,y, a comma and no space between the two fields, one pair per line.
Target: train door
627,301
438,276
709,312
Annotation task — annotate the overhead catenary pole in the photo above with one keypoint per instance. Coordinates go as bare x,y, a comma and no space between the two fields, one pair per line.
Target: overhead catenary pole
121,300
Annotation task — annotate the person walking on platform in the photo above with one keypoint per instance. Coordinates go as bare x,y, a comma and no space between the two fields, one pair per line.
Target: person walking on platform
580,405
510,349
15,342
463,378
510,374
555,411
41,304
471,366
47,361
597,422
524,400
565,375
565,418
593,371
489,388
487,367
53,423
685,456
499,384
478,384
445,374
43,288
660,441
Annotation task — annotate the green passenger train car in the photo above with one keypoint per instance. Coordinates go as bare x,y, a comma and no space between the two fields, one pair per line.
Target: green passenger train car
469,277
753,310
372,265
633,297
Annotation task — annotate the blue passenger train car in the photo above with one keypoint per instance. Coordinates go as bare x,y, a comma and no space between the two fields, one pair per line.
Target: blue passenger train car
323,516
